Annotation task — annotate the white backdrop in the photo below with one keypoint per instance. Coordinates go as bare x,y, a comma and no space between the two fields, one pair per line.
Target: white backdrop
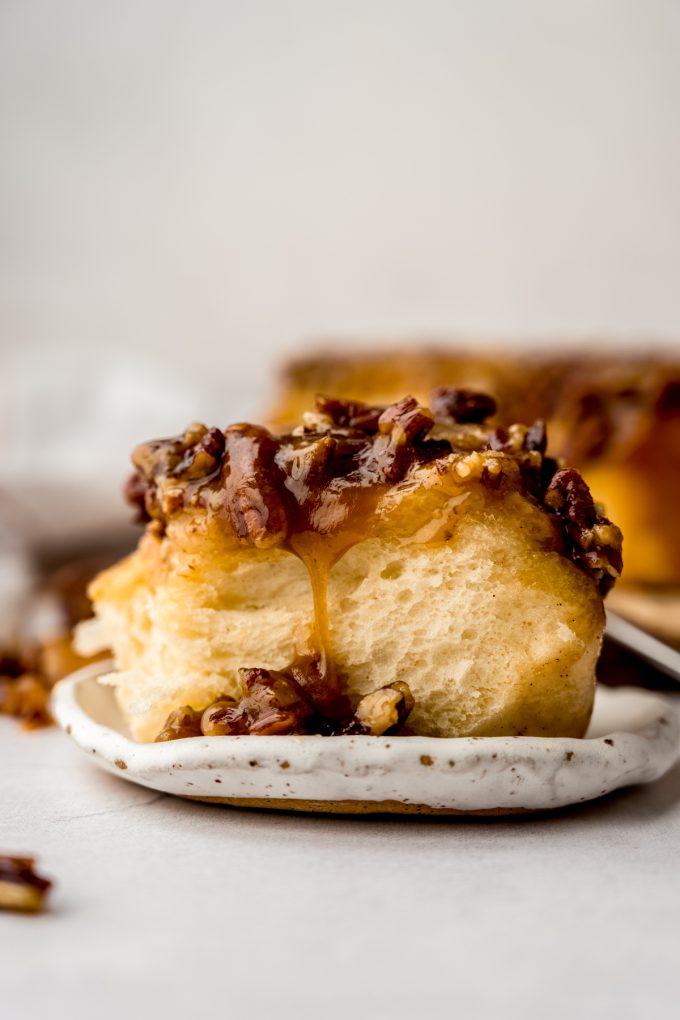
190,189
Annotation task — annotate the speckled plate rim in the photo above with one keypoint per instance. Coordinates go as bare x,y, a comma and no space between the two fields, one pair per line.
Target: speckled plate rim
634,738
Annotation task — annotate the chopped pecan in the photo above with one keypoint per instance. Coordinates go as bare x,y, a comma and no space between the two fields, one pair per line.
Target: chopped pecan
593,542
26,698
402,430
306,465
592,428
183,722
350,414
668,401
216,720
383,711
205,448
536,437
461,407
407,420
21,888
492,474
510,440
274,704
323,693
135,492
11,666
252,495
164,467
547,471
569,495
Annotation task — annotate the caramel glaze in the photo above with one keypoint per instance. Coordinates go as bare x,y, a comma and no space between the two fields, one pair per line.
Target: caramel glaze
314,491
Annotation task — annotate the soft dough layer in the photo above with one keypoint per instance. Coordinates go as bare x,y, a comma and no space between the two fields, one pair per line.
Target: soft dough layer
495,631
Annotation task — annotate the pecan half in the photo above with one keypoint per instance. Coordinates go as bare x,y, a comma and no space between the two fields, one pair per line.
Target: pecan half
593,542
569,495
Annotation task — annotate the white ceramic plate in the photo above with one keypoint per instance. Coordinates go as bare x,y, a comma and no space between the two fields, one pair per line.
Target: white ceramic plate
634,738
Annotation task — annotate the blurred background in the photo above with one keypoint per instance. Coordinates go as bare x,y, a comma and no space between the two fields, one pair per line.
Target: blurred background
190,192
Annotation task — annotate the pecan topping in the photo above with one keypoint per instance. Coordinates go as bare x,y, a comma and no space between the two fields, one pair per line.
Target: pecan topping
272,487
281,702
21,888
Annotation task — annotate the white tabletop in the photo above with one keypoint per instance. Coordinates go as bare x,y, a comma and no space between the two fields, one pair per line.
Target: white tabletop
168,908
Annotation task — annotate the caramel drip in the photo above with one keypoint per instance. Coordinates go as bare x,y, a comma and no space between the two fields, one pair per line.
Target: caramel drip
342,524
316,562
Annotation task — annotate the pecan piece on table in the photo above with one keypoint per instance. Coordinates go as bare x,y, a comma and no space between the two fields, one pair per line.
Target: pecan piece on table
26,698
21,888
